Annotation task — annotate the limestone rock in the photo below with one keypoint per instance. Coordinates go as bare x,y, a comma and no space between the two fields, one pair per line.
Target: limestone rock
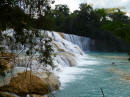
28,83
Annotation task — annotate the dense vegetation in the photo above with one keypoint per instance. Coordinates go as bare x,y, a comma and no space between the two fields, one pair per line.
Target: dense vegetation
101,25
17,17
25,16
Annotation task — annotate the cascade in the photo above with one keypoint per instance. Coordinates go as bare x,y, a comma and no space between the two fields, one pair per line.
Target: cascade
84,43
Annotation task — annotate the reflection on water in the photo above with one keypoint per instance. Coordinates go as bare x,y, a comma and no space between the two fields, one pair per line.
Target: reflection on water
99,72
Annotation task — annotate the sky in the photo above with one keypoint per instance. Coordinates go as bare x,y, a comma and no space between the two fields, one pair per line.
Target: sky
74,4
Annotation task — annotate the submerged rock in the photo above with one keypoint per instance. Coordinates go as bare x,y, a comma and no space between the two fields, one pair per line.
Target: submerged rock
29,83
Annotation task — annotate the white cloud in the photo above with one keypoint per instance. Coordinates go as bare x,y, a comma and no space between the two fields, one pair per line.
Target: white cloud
110,3
128,14
74,4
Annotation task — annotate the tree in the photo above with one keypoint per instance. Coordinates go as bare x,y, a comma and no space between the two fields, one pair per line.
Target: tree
101,15
86,21
118,15
119,24
60,16
19,17
99,24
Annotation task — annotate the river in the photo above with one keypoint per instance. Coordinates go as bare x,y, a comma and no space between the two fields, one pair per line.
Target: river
96,72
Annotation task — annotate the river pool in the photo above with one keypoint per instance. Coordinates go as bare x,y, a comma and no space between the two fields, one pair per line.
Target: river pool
107,71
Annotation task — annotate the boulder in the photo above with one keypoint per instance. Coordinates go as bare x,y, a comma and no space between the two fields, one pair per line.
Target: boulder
29,83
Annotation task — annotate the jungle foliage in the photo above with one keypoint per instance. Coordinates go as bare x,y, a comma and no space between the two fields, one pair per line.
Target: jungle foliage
24,17
17,31
110,25
90,22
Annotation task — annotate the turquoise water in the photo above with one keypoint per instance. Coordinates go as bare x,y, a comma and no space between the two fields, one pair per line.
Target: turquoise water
98,72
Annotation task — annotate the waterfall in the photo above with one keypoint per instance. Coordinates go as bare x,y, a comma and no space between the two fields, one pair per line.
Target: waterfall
84,43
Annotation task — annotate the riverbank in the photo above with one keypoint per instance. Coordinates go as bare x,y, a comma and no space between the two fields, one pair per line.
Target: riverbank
66,54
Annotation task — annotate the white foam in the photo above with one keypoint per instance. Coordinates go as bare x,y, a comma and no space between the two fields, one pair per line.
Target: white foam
84,60
69,75
82,63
